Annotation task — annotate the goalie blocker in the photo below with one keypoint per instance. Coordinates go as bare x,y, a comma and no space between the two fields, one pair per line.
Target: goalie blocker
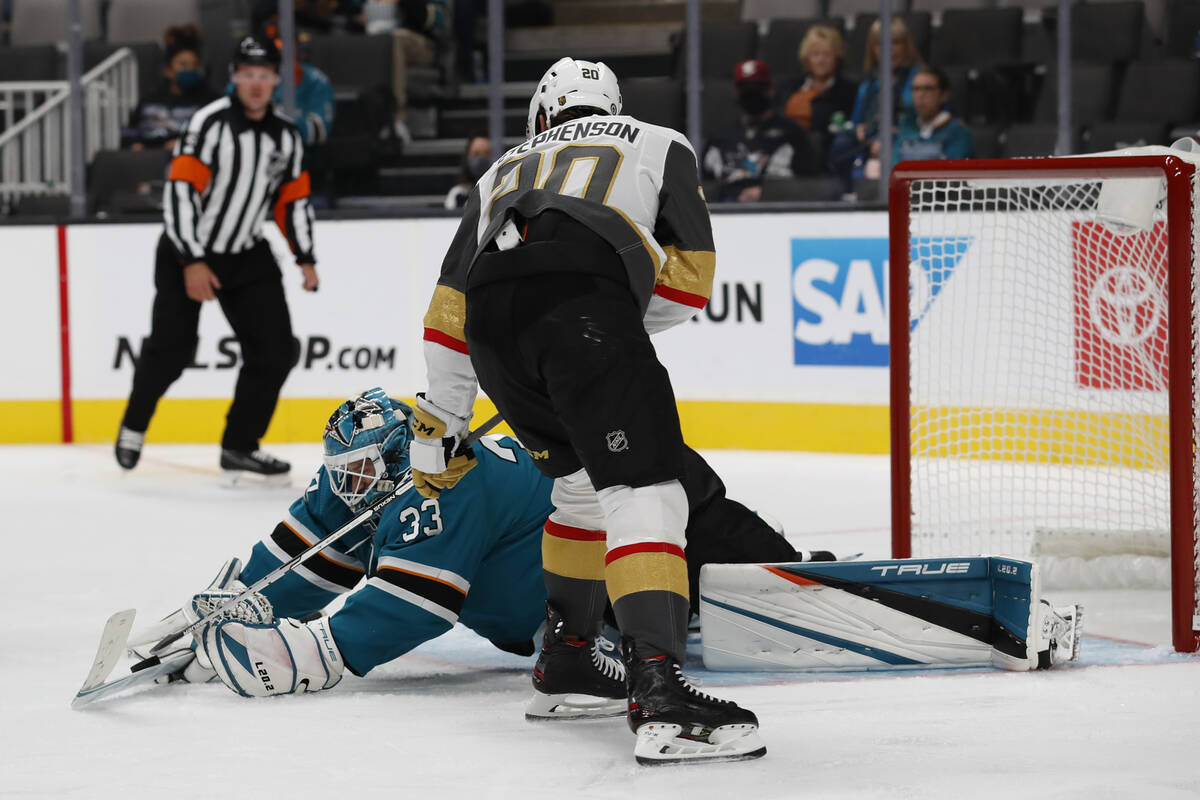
882,615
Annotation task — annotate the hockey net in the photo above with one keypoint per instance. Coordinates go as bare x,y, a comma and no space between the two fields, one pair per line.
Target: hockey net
1044,382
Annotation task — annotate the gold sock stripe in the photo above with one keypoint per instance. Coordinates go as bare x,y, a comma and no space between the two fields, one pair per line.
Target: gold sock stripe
573,552
644,568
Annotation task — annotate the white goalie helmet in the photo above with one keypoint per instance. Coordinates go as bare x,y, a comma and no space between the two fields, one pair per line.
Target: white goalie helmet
570,83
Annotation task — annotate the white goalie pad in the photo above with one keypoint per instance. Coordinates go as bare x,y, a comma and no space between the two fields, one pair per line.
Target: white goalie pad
914,613
284,657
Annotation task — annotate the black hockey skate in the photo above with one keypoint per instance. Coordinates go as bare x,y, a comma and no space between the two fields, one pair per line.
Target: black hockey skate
575,678
129,447
237,465
675,722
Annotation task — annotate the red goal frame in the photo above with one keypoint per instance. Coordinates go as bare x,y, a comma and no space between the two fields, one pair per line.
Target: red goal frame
1182,387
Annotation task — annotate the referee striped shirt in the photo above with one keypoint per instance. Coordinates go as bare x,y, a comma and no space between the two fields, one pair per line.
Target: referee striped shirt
227,174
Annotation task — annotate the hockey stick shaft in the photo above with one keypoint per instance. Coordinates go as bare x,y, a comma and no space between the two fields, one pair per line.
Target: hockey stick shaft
402,487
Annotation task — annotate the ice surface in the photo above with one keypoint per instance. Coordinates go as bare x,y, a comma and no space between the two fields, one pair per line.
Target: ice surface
84,540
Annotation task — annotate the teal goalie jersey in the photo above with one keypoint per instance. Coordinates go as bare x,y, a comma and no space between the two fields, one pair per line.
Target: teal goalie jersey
471,556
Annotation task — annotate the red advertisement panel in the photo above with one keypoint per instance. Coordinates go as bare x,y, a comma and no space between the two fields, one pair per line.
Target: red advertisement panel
1120,307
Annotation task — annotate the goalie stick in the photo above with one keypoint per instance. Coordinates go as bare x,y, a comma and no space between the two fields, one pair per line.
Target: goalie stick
402,486
147,671
112,646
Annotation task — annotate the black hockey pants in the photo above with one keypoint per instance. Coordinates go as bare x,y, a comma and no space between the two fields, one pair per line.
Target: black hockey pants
254,304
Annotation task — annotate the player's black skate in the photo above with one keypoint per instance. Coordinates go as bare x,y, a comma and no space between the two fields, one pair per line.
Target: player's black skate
675,722
237,465
129,447
575,678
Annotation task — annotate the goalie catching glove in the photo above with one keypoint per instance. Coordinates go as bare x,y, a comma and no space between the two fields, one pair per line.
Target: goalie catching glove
437,461
224,587
283,657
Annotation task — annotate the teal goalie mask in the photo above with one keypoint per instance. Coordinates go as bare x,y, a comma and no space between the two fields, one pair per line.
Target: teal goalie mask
366,447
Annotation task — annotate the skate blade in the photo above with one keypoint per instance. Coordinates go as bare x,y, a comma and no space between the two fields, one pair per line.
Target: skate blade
236,479
543,707
659,744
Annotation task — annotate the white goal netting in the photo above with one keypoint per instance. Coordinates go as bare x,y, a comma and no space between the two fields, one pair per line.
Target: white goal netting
1038,372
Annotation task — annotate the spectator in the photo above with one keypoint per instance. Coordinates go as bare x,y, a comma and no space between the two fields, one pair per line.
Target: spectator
311,14
765,144
417,28
476,159
314,92
931,132
849,149
824,101
159,118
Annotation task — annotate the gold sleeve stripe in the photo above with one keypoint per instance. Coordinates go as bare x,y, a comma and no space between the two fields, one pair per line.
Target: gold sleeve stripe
644,568
447,315
687,276
573,552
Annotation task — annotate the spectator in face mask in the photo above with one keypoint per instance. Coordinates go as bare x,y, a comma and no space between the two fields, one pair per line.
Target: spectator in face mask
160,117
476,159
765,144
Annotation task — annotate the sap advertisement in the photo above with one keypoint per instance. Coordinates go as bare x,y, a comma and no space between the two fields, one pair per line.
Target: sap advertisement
839,301
798,312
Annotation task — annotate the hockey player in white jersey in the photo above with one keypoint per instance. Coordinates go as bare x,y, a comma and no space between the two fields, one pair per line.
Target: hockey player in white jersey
574,248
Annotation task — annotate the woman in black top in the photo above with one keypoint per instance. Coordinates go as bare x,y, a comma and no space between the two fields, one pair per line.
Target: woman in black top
160,117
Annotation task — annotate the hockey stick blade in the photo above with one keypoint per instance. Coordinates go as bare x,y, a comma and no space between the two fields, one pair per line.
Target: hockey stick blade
112,646
145,672
402,486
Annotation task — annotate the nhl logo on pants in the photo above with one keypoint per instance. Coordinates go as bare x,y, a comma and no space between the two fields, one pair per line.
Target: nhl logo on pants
616,441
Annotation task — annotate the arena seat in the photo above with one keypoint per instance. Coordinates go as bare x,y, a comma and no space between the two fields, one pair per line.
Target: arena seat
45,21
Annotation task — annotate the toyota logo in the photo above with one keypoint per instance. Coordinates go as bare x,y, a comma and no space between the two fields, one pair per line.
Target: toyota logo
1125,306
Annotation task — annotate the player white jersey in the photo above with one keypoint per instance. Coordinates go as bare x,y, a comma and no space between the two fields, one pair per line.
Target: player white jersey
617,162
632,183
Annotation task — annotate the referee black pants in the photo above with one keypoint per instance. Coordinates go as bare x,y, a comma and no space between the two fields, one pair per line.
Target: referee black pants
254,304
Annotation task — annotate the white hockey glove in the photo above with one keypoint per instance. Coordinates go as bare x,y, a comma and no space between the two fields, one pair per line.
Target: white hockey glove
434,455
284,657
226,585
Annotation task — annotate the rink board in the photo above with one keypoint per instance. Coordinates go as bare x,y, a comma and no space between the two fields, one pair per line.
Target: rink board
80,300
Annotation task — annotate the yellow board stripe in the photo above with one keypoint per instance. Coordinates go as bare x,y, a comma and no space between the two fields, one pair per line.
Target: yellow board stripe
1036,436
646,572
447,312
767,426
33,421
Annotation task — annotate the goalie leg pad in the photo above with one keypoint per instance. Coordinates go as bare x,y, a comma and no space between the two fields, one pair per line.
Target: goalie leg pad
285,657
882,615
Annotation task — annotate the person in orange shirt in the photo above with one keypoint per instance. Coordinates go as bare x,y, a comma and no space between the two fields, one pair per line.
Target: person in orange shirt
822,94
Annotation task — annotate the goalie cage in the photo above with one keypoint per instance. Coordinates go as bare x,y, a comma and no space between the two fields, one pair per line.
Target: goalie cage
1044,383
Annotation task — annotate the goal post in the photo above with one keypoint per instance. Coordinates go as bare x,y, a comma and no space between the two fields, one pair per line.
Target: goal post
1044,385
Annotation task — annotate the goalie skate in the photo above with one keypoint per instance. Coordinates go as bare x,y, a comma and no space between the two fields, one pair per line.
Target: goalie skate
676,723
1059,632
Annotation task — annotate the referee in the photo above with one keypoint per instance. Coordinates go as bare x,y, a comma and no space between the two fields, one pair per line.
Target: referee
238,161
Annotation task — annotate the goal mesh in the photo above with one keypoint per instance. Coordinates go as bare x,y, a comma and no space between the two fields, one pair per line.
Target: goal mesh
1038,383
